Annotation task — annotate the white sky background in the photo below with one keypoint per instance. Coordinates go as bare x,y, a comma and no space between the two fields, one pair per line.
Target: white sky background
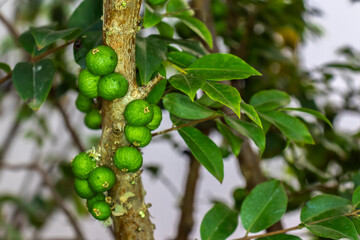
341,23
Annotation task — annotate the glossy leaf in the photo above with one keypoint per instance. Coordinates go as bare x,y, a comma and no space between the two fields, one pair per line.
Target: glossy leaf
193,47
157,92
268,100
322,204
356,197
150,53
225,94
234,141
45,36
27,41
251,113
151,18
334,228
165,29
310,111
356,222
87,16
221,66
179,7
280,237
181,59
182,107
250,130
204,150
198,27
84,44
264,206
5,67
187,83
218,223
206,101
33,81
290,126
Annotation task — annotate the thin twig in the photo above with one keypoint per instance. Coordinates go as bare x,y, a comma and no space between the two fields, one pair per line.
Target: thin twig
10,28
50,51
75,136
5,78
47,181
270,233
9,139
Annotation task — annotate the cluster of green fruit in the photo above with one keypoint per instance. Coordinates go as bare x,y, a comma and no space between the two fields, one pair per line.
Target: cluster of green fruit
91,182
99,79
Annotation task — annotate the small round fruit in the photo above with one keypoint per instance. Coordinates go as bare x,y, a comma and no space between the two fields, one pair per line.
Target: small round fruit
156,2
128,159
155,122
101,179
93,119
82,165
139,136
101,60
83,104
138,113
100,197
112,86
88,83
83,189
100,210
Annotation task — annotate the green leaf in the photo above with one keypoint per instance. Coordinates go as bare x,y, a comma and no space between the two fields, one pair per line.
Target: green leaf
356,222
179,7
264,206
191,46
157,92
198,27
187,83
5,67
290,126
234,141
280,237
27,41
165,29
45,36
150,53
84,44
151,18
181,59
221,66
206,101
225,94
33,81
335,228
87,16
204,150
218,223
310,111
249,130
322,204
356,197
268,100
251,113
181,106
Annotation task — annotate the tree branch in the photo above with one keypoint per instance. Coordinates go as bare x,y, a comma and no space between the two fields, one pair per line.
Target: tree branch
270,233
10,28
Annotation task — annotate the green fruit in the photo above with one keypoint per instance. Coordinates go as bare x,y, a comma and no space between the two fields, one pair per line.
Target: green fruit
101,60
102,179
83,189
112,86
83,104
88,84
155,122
100,210
100,197
82,165
138,113
139,136
156,2
93,119
128,159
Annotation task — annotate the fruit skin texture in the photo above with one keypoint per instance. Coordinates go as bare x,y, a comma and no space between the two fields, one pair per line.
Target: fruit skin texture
156,2
112,86
101,179
138,113
155,122
93,119
87,83
100,197
83,189
128,159
82,165
83,104
100,210
139,136
101,60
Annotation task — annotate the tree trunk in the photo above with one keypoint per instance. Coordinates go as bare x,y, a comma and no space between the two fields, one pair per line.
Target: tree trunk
130,213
